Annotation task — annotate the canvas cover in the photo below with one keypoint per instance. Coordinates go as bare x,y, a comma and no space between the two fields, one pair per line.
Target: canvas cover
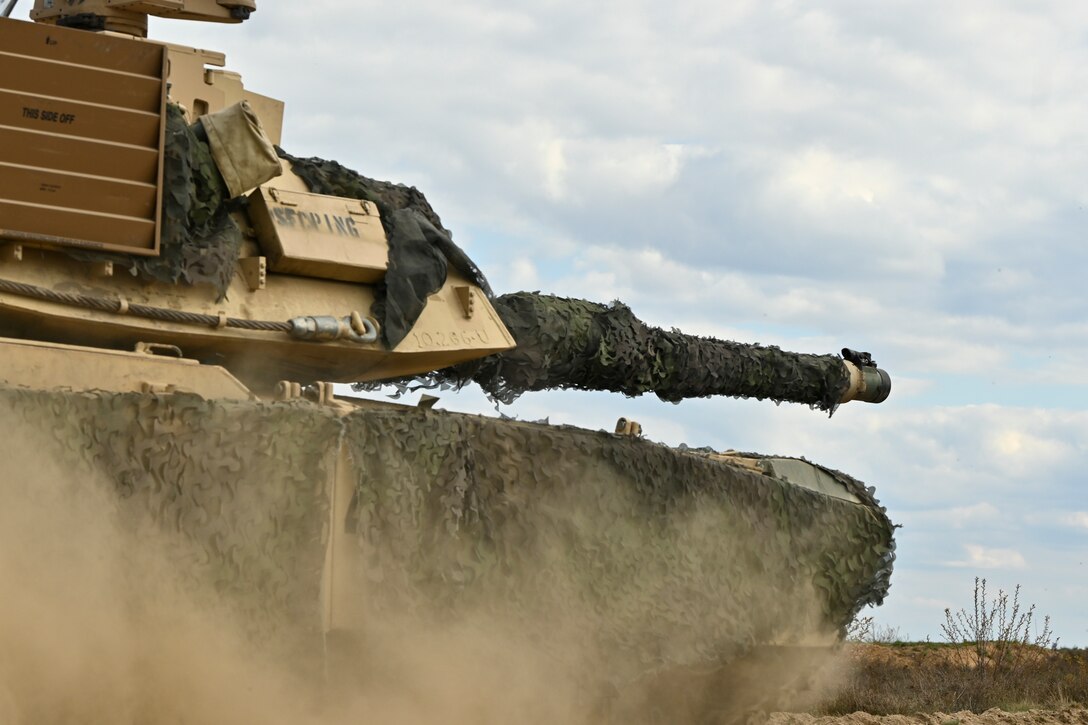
242,152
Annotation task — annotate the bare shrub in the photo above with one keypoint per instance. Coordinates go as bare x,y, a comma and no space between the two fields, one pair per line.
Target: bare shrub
865,630
999,633
859,630
999,642
998,654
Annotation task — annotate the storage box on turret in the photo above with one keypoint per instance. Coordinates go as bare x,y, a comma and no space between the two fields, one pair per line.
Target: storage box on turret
313,235
81,138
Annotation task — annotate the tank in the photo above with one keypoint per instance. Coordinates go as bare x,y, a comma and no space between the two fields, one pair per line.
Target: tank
178,296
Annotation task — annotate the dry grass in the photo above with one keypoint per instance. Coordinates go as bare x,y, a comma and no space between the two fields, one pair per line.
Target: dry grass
888,679
998,654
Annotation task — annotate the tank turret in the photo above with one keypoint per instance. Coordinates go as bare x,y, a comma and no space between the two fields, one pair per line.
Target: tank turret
172,218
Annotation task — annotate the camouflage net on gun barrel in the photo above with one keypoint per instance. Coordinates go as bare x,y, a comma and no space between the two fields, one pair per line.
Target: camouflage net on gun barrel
571,343
662,556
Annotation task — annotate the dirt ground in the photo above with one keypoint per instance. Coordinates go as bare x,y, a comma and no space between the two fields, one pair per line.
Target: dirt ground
882,671
990,717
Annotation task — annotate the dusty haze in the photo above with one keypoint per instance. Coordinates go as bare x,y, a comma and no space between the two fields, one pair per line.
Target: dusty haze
95,627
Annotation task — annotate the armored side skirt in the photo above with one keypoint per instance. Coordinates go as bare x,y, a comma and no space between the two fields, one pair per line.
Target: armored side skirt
305,521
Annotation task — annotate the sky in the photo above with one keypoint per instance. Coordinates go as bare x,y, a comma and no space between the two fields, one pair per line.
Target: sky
906,178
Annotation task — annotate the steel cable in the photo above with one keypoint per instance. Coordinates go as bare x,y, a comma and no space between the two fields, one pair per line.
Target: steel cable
122,306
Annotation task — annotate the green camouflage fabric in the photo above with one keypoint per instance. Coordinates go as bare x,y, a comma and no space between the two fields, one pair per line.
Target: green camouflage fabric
333,178
420,248
238,494
669,558
666,557
200,242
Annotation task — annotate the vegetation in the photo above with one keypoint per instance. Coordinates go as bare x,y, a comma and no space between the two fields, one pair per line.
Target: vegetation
997,654
864,630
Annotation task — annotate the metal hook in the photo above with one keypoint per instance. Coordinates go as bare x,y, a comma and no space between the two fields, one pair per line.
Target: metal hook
354,327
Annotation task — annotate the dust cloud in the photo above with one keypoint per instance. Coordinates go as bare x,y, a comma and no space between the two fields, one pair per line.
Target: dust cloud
97,627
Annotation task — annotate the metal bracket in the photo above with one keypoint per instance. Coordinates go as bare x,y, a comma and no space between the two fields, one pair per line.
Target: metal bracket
467,297
326,393
278,198
255,272
158,348
287,390
365,209
150,388
319,392
11,253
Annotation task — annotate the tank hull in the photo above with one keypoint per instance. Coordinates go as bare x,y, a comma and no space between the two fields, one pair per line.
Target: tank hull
316,519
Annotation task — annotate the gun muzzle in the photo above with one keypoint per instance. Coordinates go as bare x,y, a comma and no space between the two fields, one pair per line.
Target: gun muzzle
868,383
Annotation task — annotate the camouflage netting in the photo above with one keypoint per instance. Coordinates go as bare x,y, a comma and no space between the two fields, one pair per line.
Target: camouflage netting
671,559
420,248
245,487
570,343
200,242
664,557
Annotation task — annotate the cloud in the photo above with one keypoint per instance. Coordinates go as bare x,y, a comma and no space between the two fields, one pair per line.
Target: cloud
959,517
523,274
582,170
933,603
1077,519
980,557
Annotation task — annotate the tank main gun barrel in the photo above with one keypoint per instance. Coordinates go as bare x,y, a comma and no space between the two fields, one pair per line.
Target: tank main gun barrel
569,343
